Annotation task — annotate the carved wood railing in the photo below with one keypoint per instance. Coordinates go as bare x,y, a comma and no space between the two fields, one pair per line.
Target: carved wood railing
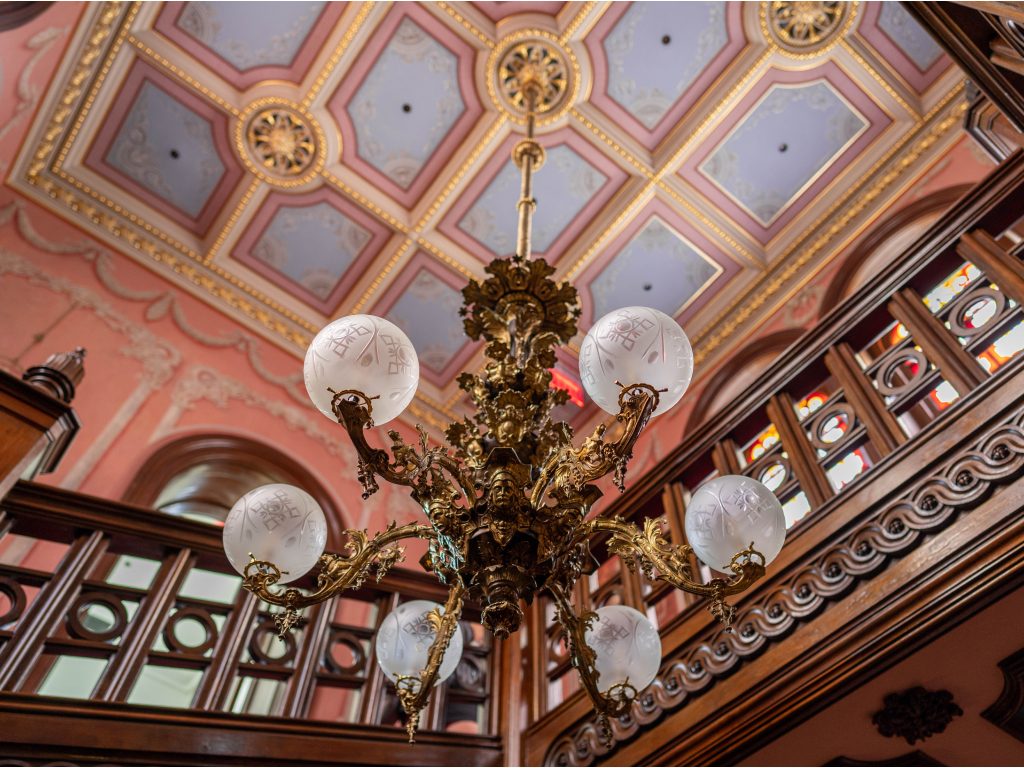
113,614
899,412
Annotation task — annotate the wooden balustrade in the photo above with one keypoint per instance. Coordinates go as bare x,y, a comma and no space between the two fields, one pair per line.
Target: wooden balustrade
109,608
926,355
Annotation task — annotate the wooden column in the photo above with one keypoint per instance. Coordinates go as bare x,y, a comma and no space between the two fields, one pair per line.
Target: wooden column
536,651
957,365
1003,269
48,609
802,457
307,661
132,653
675,511
216,682
882,427
725,458
507,686
373,688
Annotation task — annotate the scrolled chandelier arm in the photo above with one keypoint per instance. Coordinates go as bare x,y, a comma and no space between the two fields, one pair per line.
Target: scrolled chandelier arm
508,501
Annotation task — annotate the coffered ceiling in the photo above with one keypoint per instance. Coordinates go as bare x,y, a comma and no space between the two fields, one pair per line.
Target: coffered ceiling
291,162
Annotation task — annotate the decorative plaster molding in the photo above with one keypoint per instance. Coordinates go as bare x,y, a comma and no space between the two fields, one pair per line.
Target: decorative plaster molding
1007,711
898,527
28,92
161,303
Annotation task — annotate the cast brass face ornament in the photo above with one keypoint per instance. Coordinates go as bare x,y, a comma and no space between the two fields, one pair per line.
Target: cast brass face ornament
508,501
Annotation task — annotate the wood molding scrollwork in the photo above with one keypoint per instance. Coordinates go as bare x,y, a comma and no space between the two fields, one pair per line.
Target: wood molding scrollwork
896,528
915,714
1007,711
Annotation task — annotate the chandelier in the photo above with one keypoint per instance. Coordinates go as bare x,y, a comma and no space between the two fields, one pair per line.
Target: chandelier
508,501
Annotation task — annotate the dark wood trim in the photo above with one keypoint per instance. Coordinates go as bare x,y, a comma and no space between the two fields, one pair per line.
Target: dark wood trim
152,735
967,36
939,200
915,758
1007,712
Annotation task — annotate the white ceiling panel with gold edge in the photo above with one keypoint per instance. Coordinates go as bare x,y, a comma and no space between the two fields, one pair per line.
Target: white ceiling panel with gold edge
290,163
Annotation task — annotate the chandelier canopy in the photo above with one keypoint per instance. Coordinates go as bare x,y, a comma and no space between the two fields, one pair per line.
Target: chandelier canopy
508,501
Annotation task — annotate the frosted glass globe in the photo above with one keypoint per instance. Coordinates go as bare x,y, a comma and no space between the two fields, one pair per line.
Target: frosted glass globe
626,647
726,514
278,523
365,353
404,640
635,345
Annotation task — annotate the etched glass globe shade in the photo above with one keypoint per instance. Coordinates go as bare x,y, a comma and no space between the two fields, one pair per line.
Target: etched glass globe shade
365,353
627,648
404,640
278,523
728,513
635,345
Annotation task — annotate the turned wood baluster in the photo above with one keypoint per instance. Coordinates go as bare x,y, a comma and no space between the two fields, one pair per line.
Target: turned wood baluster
216,684
1002,268
957,365
882,427
133,651
49,609
802,457
307,660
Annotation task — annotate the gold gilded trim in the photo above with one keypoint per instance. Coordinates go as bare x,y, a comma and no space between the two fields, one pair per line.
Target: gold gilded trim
183,76
339,51
470,26
387,269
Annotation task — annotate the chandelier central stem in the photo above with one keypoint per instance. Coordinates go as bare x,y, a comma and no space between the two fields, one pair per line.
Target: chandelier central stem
529,156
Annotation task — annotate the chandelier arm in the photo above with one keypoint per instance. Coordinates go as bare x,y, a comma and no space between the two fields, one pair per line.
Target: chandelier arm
409,468
414,692
362,557
582,657
570,469
658,559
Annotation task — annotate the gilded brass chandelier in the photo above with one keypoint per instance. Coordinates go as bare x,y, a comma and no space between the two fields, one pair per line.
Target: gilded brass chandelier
508,502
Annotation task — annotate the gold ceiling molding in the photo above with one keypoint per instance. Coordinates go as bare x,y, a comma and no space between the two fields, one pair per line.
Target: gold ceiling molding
851,204
469,26
351,31
185,77
803,29
911,110
280,142
581,16
229,225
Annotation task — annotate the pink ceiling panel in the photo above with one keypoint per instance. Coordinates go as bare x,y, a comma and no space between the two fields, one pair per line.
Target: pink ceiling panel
831,74
651,136
496,11
203,127
872,29
171,25
656,212
432,323
340,102
349,255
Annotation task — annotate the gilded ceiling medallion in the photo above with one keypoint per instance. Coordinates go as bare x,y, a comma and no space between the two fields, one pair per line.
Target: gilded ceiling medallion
280,143
805,27
533,58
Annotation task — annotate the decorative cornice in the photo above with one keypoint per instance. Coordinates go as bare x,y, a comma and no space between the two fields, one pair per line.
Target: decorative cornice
896,528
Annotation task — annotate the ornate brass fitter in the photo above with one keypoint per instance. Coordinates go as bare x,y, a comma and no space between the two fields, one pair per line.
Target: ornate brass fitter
281,142
805,24
508,501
